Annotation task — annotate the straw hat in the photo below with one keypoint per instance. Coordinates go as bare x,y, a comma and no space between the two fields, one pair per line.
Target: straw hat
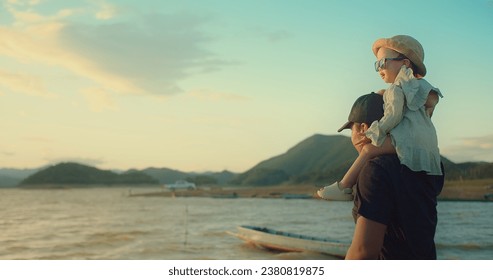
405,45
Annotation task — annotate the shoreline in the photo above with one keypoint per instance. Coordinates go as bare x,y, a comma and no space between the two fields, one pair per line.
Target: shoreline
473,190
449,193
238,192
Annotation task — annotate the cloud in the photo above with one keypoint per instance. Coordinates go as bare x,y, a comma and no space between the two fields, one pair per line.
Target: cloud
99,100
154,53
471,149
106,11
39,43
484,143
150,55
23,2
273,36
23,13
7,154
24,83
207,95
279,35
39,139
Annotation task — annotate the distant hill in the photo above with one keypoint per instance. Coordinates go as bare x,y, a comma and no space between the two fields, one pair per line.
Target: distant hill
317,159
167,176
10,177
78,174
221,178
468,170
322,159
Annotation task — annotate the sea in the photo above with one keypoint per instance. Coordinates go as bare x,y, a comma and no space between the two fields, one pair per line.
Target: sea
108,224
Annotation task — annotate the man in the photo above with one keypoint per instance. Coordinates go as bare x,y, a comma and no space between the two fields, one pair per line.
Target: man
394,207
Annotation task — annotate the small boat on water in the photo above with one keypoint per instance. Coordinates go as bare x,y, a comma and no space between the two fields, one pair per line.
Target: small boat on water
290,242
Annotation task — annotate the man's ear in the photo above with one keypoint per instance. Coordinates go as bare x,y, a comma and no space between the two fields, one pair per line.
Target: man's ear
363,127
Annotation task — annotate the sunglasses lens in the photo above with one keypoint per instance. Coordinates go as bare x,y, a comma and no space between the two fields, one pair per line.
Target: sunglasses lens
379,64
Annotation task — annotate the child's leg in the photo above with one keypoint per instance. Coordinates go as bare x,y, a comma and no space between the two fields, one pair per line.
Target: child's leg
367,152
343,190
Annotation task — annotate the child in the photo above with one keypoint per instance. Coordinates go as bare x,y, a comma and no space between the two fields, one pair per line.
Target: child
406,127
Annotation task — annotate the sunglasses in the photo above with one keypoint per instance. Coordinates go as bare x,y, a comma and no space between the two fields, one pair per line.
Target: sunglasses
380,64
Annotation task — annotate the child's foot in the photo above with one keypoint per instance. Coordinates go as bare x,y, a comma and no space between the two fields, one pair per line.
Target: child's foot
336,192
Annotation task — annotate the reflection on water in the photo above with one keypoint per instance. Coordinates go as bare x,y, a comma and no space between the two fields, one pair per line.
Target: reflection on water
106,224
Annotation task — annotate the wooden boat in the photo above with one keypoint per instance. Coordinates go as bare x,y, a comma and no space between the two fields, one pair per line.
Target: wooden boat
290,242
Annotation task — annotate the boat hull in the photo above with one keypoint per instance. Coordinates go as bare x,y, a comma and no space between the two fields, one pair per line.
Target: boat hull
284,241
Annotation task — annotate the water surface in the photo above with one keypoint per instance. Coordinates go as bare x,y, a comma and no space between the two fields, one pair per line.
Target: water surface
104,223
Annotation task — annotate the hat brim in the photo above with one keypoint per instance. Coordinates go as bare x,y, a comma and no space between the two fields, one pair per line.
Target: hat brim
345,126
396,46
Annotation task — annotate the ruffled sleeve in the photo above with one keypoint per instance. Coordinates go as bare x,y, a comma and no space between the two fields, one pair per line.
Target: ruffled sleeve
426,87
415,98
415,90
392,114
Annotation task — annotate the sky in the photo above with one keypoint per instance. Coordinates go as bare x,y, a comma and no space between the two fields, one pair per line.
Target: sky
221,85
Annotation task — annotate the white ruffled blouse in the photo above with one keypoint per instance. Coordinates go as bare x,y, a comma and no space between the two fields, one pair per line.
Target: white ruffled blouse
405,119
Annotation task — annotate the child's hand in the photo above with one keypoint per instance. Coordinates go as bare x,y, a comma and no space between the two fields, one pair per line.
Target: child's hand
363,140
406,80
405,75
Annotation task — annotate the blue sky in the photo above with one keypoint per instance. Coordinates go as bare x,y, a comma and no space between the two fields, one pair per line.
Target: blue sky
213,85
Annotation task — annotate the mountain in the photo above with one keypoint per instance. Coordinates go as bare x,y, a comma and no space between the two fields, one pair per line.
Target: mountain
167,176
468,170
222,178
322,159
10,177
317,159
74,173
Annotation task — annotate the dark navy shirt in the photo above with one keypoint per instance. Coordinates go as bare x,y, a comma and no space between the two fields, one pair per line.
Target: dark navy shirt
389,193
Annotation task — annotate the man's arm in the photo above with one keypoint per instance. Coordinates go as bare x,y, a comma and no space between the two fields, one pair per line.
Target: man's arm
367,240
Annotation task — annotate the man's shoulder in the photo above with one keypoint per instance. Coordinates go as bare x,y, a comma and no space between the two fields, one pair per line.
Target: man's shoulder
385,161
391,167
381,168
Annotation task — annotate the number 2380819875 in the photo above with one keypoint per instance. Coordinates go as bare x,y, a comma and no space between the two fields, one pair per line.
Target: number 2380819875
310,270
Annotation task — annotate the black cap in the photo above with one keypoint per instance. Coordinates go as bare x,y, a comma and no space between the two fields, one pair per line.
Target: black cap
366,109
